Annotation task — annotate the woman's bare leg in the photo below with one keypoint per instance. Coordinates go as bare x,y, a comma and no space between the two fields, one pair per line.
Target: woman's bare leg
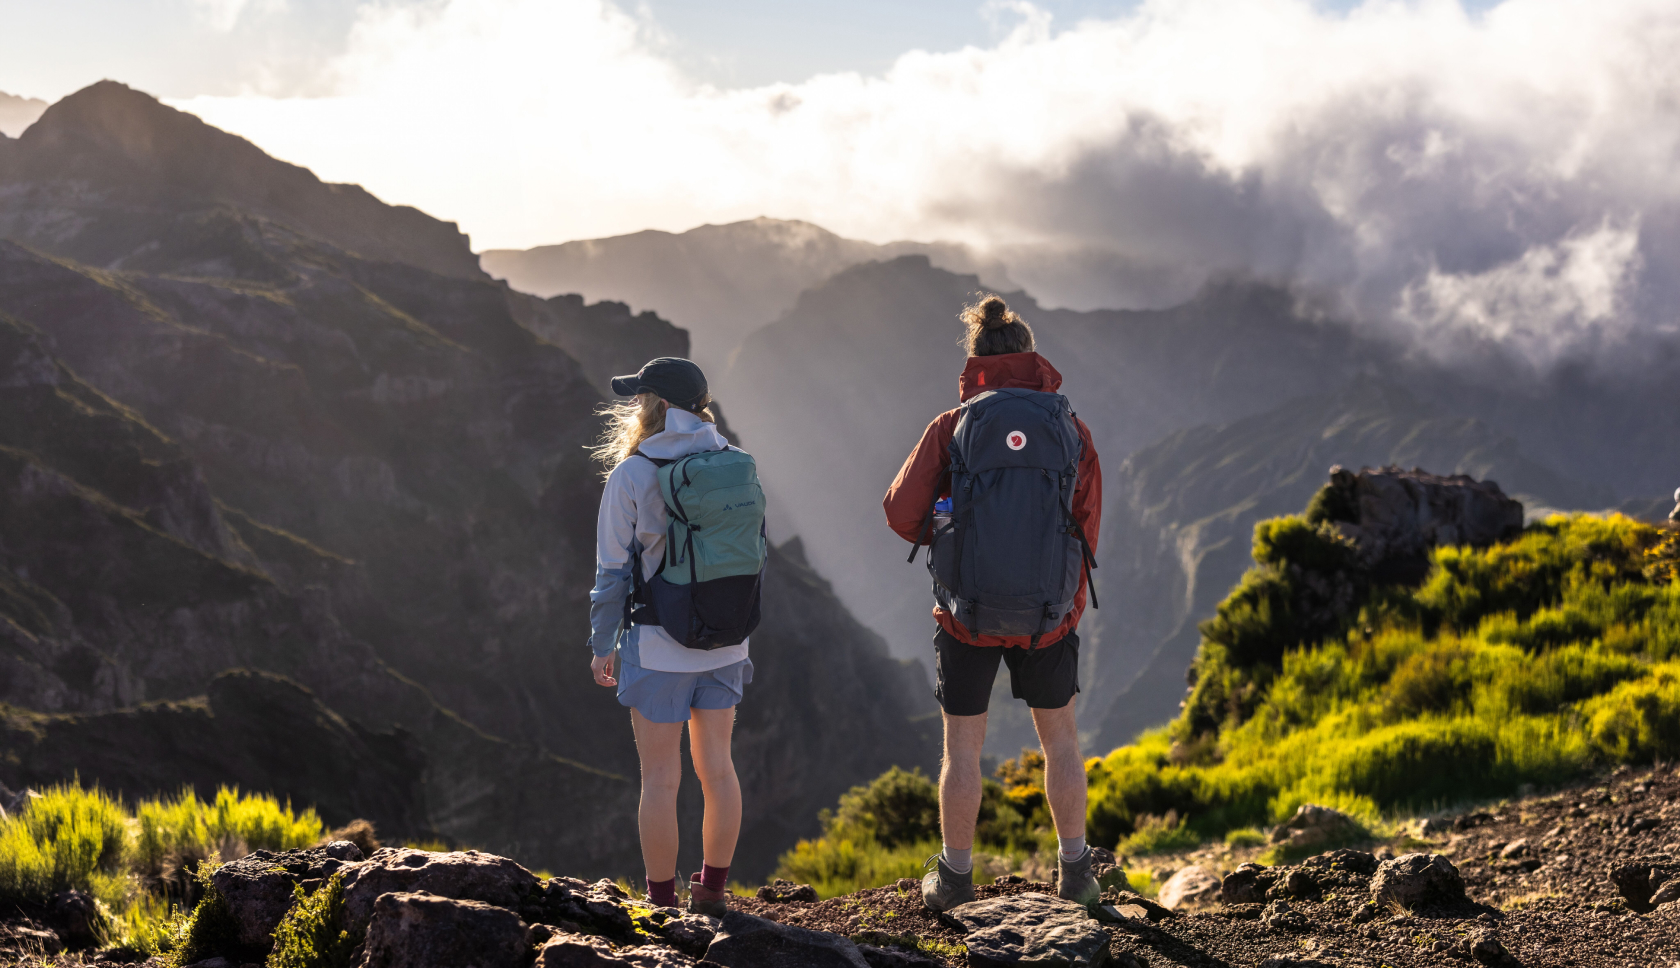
659,746
709,736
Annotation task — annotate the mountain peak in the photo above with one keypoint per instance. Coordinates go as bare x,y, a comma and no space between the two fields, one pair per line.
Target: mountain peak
138,152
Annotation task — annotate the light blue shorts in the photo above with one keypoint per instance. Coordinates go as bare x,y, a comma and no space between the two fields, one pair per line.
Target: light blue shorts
666,697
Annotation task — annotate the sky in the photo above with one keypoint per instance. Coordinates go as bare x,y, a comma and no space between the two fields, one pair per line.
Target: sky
1503,171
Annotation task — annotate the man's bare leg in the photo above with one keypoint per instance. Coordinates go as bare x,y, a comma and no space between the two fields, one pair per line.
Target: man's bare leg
959,780
1064,768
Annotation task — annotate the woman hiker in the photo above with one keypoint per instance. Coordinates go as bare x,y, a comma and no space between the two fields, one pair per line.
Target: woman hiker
664,682
1010,545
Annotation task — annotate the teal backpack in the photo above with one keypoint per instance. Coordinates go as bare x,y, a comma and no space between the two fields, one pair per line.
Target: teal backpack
706,591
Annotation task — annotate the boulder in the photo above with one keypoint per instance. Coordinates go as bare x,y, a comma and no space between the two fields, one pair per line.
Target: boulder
1414,880
1246,885
1668,893
787,892
574,906
1190,887
744,941
258,887
1127,904
1351,861
76,918
419,930
580,951
1314,827
1640,881
895,958
1394,517
463,875
1030,929
1486,950
690,934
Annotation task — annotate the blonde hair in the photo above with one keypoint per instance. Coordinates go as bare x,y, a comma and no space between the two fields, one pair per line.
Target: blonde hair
633,421
993,329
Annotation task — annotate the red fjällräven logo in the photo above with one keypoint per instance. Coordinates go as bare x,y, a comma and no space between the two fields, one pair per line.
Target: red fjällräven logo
1016,440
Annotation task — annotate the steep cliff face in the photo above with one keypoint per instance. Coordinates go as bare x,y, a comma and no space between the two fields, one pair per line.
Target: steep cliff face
246,436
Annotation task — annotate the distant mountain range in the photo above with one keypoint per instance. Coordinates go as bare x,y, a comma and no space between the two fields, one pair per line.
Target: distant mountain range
251,421
18,113
1208,416
719,281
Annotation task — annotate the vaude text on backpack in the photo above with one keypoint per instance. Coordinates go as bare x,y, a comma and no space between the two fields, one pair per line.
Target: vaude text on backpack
706,591
1010,559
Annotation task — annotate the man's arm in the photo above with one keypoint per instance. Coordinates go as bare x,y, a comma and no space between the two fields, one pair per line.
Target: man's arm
924,478
1087,497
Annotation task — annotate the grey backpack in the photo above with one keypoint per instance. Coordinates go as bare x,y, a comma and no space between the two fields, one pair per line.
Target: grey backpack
1009,559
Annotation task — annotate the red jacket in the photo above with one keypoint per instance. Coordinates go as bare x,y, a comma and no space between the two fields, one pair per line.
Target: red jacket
926,477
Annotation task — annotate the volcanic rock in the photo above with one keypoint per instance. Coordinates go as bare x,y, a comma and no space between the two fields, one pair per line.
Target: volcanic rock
786,892
1314,826
258,887
460,875
413,929
1031,929
745,941
1413,880
1190,887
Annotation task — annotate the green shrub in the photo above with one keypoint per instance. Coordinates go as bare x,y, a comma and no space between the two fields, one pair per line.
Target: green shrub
313,934
1158,835
837,864
67,838
1527,662
1244,837
898,807
231,825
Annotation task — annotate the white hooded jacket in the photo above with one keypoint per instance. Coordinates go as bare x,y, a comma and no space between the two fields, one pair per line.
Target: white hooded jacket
633,519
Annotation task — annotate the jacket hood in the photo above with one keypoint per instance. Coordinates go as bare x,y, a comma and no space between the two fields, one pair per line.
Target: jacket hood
1006,371
684,434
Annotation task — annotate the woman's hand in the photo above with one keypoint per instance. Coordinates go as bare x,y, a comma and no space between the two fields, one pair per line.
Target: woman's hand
602,667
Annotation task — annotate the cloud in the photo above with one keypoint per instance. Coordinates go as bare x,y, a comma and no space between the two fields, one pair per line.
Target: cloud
1511,175
223,15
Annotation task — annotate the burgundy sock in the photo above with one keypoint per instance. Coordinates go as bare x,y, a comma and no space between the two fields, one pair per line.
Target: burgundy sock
714,878
663,893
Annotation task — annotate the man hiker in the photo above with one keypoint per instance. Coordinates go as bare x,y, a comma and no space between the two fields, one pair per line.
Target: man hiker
1006,494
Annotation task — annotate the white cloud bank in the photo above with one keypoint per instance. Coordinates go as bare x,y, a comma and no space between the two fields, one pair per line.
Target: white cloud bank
1515,175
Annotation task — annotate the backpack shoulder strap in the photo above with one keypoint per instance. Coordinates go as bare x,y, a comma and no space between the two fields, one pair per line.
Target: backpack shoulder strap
655,461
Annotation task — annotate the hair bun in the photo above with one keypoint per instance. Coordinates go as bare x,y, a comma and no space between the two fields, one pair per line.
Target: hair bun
995,313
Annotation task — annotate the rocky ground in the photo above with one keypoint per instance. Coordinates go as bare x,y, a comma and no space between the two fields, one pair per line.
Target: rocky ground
1586,877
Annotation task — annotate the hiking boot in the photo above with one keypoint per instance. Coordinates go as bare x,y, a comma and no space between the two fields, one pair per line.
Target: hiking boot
1074,880
944,888
704,900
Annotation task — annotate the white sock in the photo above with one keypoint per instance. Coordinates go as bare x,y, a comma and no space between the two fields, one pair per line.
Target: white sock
959,861
1073,848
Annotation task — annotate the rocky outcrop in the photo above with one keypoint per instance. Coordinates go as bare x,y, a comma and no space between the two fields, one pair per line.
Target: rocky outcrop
412,929
1189,887
1314,828
744,941
1395,518
1415,880
259,888
1030,929
462,875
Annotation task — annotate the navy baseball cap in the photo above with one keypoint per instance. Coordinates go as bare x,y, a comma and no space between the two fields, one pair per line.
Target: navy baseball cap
677,380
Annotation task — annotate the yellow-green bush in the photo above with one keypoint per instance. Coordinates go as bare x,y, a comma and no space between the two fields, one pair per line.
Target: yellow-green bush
1527,662
67,838
230,825
313,934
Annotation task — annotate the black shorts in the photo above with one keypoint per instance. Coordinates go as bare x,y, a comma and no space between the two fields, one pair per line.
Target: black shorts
1046,678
